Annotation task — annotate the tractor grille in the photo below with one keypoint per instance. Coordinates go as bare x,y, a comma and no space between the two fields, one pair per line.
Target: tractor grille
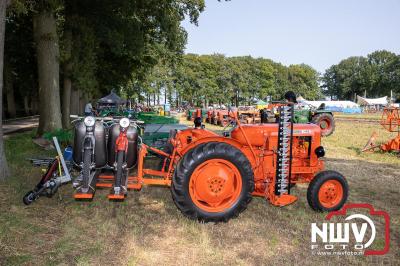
284,153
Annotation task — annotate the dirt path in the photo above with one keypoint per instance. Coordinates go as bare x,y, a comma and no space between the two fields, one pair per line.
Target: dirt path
19,125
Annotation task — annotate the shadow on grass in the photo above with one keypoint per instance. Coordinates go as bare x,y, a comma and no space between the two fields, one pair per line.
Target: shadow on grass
148,229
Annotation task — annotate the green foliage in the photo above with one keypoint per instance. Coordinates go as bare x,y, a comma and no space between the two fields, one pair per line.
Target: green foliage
215,79
63,136
106,45
377,74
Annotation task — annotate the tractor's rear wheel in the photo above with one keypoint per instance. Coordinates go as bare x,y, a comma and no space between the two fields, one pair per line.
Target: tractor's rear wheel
326,122
328,191
213,182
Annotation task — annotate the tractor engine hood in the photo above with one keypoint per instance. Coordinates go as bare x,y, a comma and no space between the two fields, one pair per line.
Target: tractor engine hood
258,134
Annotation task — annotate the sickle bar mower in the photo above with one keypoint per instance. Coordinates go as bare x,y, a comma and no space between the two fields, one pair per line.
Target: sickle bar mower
390,121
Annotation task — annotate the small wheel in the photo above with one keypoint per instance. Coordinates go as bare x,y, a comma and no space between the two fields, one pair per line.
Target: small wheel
87,160
29,197
120,161
326,122
213,182
328,191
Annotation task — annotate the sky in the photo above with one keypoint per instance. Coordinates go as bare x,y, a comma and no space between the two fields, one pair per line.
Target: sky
319,33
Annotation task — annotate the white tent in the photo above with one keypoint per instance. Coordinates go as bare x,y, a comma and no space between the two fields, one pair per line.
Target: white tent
377,101
300,99
338,104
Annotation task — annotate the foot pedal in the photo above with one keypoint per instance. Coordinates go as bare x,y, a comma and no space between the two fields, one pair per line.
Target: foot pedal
82,193
81,196
117,193
116,196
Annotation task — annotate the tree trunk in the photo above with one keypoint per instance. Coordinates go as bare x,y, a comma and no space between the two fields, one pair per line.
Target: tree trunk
74,103
83,100
9,89
34,105
26,105
3,161
45,33
66,100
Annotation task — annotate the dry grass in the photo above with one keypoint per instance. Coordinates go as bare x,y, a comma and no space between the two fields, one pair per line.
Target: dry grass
370,116
147,229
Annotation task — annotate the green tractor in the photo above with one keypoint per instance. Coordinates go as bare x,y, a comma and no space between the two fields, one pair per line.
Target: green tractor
321,117
303,114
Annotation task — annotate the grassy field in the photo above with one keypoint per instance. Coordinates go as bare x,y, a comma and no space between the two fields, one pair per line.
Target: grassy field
371,116
147,229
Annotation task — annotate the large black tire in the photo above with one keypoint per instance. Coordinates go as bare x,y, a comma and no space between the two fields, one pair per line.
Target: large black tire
120,161
326,119
87,161
314,188
199,155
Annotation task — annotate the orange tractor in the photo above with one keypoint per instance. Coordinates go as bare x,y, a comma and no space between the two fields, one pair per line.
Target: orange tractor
391,122
214,177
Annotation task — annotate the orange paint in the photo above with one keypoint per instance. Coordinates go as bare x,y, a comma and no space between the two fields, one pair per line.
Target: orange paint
330,193
215,185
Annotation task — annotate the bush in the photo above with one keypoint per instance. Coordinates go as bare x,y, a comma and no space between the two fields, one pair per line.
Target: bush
63,136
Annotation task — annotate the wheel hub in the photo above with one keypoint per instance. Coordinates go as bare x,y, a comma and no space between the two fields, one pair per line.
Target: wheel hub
324,124
215,185
330,193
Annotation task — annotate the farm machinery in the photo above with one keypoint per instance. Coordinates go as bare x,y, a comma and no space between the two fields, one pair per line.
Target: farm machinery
390,121
319,116
191,114
323,118
213,177
57,173
308,114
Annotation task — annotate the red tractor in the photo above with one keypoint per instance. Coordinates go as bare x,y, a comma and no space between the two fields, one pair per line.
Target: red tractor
223,118
214,177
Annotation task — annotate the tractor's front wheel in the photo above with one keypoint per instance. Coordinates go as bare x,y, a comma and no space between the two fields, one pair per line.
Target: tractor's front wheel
213,182
326,122
87,161
328,191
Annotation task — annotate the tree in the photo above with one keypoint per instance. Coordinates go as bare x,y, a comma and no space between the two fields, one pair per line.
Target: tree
4,172
21,59
376,75
304,81
47,49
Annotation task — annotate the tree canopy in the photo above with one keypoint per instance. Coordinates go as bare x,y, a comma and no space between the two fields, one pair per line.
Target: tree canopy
376,75
217,79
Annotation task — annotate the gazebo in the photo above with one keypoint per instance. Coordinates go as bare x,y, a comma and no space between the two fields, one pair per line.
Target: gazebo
111,101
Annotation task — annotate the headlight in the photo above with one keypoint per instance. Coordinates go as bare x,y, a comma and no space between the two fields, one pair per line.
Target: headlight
320,151
89,121
124,122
